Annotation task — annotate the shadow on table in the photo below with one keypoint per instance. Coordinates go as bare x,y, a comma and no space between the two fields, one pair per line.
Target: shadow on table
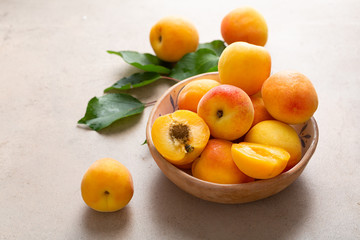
105,224
276,217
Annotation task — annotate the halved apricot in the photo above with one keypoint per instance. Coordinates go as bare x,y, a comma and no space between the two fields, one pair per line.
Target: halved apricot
258,160
180,136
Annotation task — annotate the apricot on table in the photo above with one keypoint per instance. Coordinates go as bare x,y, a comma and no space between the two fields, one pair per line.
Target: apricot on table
172,37
107,185
216,164
278,134
244,24
258,160
227,110
290,97
244,65
191,94
180,136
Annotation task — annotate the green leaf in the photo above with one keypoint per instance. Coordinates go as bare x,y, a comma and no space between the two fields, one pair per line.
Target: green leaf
143,61
202,61
217,46
134,81
103,111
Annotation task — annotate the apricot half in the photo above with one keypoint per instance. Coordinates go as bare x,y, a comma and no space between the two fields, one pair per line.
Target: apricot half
258,160
180,136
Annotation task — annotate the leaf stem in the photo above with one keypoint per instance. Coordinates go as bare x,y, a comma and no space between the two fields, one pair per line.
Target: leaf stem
170,78
148,104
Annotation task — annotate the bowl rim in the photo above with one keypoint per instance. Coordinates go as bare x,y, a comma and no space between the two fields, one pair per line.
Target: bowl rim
297,169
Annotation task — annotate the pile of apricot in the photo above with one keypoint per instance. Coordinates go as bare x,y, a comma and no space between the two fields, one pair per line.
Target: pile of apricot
237,128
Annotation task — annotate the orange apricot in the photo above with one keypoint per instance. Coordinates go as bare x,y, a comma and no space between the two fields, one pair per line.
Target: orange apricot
260,112
244,65
172,37
258,160
244,24
290,97
180,136
216,164
191,94
227,110
278,134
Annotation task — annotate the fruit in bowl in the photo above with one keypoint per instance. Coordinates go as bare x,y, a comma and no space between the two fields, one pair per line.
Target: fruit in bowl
190,180
227,110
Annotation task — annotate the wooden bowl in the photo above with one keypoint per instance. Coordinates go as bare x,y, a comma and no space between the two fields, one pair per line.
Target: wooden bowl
227,193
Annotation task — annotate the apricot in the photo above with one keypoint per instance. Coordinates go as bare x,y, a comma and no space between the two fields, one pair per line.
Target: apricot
260,112
258,160
107,185
290,97
244,65
227,110
172,37
216,164
244,24
191,94
180,136
278,134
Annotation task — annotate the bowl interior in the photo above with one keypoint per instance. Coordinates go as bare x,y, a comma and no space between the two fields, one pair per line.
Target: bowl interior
227,193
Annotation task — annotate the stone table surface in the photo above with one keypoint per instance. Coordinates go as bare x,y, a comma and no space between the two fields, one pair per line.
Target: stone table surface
53,60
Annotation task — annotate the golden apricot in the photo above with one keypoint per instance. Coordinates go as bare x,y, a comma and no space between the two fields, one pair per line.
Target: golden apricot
258,160
278,134
216,164
180,136
244,24
227,110
107,185
172,37
244,65
191,94
260,112
290,97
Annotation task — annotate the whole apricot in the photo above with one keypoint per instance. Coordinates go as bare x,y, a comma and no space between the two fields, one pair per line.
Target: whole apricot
260,112
180,136
258,160
290,97
216,164
191,94
227,110
107,185
244,65
172,37
244,24
278,134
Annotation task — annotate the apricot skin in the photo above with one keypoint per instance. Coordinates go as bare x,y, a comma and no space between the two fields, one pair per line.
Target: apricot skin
244,24
244,65
191,94
216,164
227,110
278,134
290,97
260,112
107,185
172,37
